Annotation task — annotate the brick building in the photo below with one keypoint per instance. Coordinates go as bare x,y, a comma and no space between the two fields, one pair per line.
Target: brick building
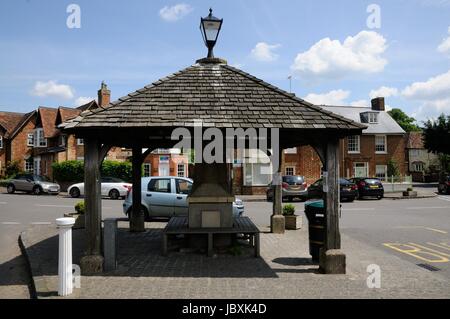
361,156
35,142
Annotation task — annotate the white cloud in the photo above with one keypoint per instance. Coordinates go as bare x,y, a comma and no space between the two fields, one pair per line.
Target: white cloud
264,52
328,58
444,47
360,103
335,97
83,100
433,89
52,89
175,13
433,94
383,91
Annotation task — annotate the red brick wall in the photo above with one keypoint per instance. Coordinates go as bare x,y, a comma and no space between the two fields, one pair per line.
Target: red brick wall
19,148
395,150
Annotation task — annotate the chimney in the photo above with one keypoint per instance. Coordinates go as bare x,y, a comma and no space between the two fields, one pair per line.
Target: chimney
104,95
378,104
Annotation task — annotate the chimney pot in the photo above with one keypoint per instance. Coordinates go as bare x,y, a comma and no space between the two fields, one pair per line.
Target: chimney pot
378,104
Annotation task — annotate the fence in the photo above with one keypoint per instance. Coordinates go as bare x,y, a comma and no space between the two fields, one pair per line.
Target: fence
397,183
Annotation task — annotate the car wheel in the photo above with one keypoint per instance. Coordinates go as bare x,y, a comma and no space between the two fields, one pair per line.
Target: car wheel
37,190
114,194
379,197
75,192
351,200
10,189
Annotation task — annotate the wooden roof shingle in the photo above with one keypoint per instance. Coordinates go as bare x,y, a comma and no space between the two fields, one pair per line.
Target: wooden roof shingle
217,94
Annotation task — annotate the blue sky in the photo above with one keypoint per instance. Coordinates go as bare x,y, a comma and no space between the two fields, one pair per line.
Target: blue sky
327,47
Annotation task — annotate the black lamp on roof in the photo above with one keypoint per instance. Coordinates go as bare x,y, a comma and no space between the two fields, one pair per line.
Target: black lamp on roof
210,27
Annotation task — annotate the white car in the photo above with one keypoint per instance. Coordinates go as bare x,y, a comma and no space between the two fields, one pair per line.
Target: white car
112,187
167,197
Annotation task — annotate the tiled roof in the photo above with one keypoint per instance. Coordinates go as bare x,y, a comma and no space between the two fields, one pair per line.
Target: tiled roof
48,119
386,124
68,113
217,94
88,106
10,120
415,140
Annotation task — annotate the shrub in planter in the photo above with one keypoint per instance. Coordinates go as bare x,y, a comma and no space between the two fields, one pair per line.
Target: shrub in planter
80,218
292,221
288,210
80,208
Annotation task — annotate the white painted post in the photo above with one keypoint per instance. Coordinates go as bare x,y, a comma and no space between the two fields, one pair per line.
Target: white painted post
65,285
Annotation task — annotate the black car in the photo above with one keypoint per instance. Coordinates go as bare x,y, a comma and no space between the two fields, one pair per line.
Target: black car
368,186
444,184
348,190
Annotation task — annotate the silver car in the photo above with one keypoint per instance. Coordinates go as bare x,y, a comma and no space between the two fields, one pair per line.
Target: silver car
35,184
167,197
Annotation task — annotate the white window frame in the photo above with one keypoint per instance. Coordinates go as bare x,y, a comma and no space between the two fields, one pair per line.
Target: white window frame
385,144
1,142
30,139
372,117
39,139
358,144
366,166
292,150
149,166
30,167
80,141
383,178
418,167
286,170
184,170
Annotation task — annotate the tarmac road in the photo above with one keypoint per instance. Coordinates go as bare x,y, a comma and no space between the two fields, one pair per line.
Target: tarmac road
416,230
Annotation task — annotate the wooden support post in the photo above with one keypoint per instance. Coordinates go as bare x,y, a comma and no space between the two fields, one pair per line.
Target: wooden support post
93,261
332,259
137,218
277,222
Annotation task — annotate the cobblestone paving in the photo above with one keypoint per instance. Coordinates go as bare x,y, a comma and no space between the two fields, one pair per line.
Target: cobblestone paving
283,271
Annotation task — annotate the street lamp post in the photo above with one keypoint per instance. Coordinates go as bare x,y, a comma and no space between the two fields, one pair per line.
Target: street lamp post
210,28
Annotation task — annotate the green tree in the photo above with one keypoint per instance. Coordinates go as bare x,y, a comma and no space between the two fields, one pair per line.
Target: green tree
392,168
436,137
407,123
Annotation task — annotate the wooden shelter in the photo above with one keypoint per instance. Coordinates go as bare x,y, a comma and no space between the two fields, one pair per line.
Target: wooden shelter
220,96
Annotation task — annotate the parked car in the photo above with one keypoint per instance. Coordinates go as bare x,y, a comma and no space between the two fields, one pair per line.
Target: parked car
112,187
30,183
444,184
292,187
369,187
348,190
167,197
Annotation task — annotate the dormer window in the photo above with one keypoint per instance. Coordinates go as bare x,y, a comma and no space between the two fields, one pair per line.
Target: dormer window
372,117
369,117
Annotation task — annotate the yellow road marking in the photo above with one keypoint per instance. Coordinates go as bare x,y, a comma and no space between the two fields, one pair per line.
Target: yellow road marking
431,249
427,228
417,253
442,245
436,230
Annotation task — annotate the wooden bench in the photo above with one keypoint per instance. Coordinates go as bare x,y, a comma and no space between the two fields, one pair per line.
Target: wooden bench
242,225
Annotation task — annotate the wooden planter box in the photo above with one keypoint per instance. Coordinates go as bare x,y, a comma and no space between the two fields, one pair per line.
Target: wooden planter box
80,220
410,194
293,222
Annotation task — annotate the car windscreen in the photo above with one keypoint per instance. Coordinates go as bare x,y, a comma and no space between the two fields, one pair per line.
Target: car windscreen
111,180
39,178
372,181
344,181
293,180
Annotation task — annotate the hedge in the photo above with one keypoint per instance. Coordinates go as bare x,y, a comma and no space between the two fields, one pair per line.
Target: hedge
73,171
